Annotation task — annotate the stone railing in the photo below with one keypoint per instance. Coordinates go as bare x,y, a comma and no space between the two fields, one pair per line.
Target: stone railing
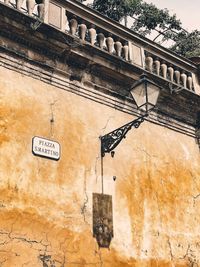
31,7
97,36
68,22
168,71
88,26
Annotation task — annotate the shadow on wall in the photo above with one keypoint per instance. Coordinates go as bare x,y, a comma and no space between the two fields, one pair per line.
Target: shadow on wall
198,129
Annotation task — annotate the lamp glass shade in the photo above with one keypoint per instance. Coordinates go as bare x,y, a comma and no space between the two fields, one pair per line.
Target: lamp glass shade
145,93
139,94
152,93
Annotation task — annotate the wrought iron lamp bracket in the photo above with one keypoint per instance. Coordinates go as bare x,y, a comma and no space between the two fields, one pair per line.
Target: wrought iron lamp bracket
111,140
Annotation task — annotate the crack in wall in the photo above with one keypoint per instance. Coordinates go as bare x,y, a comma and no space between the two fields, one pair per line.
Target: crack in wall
188,255
170,249
22,239
195,198
100,258
159,210
95,166
2,262
84,206
63,262
106,125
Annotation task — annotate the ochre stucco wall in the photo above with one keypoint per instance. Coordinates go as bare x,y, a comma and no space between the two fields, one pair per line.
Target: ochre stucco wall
46,206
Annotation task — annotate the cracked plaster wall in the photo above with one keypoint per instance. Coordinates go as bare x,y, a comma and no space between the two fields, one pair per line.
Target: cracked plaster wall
46,206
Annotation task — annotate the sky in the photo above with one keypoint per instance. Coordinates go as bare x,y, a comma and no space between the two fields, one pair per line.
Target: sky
188,11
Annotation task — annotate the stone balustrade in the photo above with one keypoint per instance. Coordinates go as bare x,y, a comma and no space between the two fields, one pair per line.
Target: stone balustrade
96,36
90,27
74,25
31,7
168,71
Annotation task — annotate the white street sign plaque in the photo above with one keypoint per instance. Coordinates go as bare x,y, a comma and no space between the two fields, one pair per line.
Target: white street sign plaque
45,148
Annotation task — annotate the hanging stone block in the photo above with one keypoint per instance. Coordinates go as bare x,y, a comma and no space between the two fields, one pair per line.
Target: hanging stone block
102,219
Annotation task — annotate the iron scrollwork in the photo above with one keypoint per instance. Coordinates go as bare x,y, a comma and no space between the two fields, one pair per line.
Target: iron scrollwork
111,140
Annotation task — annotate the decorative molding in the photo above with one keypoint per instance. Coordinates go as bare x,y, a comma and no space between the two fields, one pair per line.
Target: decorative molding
61,80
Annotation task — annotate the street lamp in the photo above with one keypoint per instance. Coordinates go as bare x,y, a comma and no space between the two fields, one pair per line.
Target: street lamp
145,93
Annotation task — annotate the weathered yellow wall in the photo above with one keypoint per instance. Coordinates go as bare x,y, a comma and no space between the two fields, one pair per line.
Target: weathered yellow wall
46,206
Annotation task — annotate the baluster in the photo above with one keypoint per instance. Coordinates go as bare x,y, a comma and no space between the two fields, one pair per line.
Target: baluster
118,48
157,66
177,75
164,69
30,4
149,62
190,82
109,43
19,4
171,73
73,25
82,30
67,29
100,39
92,34
184,79
126,51
40,8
